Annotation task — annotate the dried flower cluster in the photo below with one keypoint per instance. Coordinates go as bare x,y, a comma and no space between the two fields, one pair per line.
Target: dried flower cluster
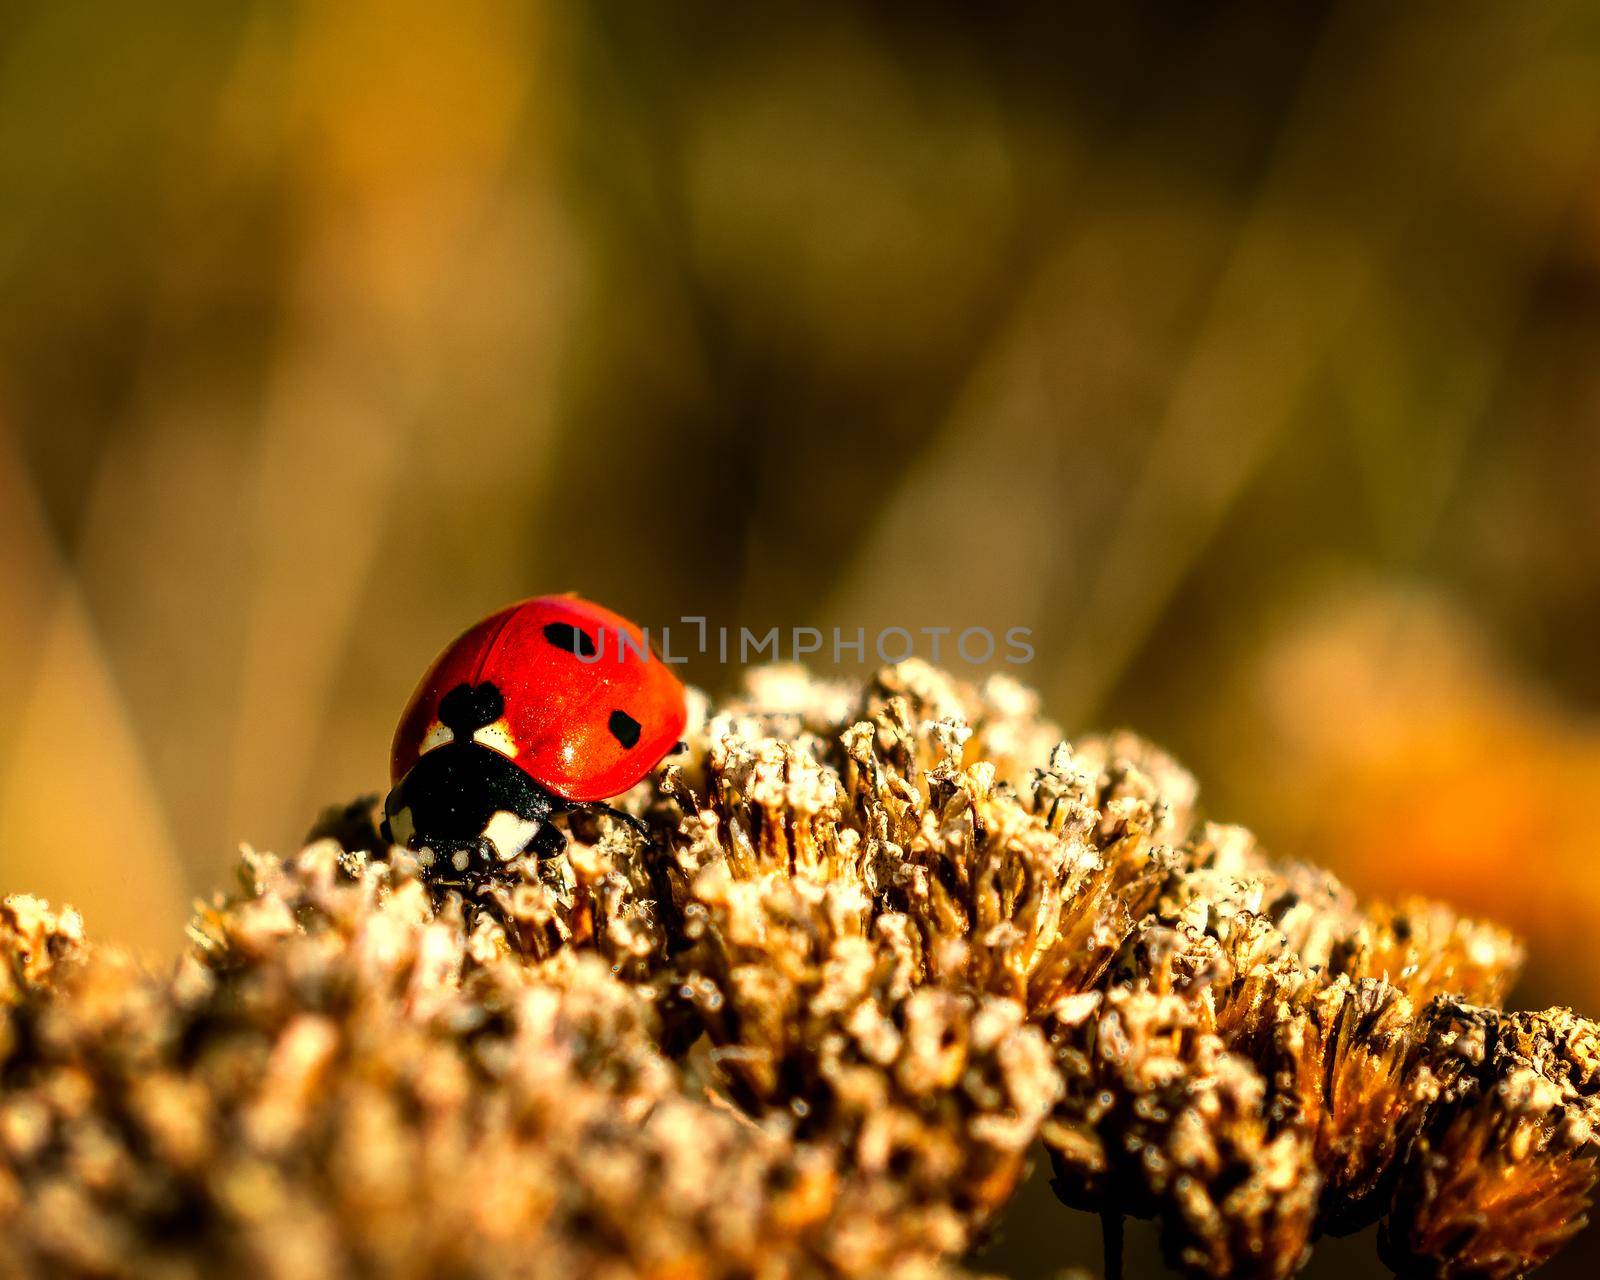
876,944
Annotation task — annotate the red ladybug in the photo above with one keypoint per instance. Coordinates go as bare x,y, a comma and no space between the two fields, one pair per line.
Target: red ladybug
550,705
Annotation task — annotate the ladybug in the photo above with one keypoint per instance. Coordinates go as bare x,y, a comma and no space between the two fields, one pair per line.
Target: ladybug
549,706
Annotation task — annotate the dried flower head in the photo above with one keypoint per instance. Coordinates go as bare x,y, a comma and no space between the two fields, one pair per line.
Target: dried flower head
343,1079
1160,1119
1504,1169
875,944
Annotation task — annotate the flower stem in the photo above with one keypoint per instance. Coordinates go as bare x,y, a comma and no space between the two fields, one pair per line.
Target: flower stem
1111,1244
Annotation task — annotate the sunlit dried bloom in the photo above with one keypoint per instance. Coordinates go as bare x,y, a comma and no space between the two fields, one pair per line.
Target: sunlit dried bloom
1425,949
343,1080
867,924
876,943
1486,1197
34,942
1281,964
1343,1056
1505,1168
1160,1120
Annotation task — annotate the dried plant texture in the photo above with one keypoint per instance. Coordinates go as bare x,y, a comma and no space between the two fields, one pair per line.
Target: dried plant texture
344,1080
1504,1169
877,942
1160,1119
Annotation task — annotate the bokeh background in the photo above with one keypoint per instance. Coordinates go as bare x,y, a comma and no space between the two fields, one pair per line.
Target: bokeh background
1247,353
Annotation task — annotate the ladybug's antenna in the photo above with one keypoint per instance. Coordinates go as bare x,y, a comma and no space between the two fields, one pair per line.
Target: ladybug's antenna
468,707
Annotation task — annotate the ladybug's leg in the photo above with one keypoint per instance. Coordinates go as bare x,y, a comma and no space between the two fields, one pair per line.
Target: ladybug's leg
549,841
596,806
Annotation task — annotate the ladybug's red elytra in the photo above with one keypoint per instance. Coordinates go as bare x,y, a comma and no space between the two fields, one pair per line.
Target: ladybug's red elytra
550,705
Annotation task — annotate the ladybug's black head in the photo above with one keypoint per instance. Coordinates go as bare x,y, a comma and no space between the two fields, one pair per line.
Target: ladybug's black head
469,707
464,807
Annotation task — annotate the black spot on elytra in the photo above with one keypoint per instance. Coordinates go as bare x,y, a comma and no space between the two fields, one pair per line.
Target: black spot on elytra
468,707
573,639
624,728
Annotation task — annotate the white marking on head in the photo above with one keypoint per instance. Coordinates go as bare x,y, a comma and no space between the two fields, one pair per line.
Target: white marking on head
509,834
401,826
438,734
458,859
497,737
424,856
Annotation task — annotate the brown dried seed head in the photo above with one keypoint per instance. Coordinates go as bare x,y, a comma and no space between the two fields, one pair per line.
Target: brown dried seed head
877,941
1426,949
1159,1119
1504,1169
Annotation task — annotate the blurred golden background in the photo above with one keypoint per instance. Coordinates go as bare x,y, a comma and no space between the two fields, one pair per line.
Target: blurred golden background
1249,354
